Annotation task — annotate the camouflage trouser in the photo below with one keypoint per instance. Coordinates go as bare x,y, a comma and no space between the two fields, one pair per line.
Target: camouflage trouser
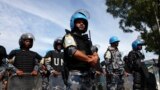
79,81
128,82
56,83
45,83
115,82
100,83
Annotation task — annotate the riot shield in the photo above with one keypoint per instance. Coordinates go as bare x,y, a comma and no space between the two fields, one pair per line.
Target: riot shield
101,82
154,77
128,82
25,82
153,73
56,83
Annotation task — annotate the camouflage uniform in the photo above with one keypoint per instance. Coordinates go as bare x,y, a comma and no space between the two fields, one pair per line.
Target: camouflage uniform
3,66
54,64
77,52
114,68
56,82
79,81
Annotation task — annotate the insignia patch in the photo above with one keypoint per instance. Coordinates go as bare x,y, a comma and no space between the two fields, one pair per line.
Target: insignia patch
69,41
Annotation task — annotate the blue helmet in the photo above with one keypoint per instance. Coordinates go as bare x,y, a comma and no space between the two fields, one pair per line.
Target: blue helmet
113,39
136,43
76,16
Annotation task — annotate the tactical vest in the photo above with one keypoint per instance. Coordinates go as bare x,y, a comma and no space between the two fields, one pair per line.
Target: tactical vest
140,71
25,61
57,60
116,62
84,45
137,65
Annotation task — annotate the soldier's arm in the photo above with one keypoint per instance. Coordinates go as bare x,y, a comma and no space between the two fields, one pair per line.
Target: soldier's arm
11,58
36,66
37,61
107,57
70,46
2,72
83,57
48,61
48,64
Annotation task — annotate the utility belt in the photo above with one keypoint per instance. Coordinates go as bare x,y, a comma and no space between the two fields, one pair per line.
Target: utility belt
75,72
89,74
116,71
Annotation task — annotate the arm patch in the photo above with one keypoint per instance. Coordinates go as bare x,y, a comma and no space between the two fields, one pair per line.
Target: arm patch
107,55
69,41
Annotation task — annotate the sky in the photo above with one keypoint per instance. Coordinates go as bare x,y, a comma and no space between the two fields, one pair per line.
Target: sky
48,19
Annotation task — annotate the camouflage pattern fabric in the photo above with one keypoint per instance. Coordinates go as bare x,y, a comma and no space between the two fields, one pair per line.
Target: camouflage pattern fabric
56,83
79,81
115,82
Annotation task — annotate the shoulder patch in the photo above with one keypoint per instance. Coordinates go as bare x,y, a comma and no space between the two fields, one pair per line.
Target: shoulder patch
69,41
108,54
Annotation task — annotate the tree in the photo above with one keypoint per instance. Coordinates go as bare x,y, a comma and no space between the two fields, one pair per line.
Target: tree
141,16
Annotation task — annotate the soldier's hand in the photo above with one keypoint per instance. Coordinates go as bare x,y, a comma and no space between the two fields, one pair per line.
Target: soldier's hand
96,57
55,73
19,72
44,67
9,73
34,73
93,63
93,59
5,84
104,72
126,74
98,73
